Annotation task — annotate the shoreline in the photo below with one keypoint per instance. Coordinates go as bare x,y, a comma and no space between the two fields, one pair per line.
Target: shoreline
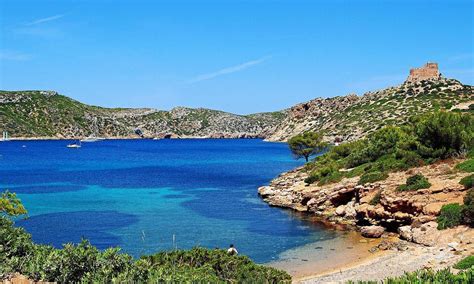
129,138
356,258
327,256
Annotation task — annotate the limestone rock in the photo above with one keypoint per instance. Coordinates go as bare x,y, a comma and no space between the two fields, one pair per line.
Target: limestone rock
405,233
372,231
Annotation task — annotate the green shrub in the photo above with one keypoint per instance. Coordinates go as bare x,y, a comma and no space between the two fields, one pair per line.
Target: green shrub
415,182
443,134
467,181
465,263
429,276
468,211
372,177
450,216
466,166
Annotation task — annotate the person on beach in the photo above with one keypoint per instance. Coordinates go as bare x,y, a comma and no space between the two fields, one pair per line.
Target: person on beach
232,250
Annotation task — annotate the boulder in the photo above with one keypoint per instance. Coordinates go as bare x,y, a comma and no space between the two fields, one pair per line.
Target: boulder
340,210
405,233
350,211
372,231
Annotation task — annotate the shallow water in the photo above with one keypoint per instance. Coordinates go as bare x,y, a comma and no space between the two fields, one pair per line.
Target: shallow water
151,195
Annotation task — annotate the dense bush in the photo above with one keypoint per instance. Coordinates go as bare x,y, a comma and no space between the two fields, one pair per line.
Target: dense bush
450,215
429,276
85,263
372,177
465,263
415,182
443,134
467,181
468,211
425,139
466,166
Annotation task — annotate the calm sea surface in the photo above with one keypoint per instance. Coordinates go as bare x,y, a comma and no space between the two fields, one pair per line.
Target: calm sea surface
152,195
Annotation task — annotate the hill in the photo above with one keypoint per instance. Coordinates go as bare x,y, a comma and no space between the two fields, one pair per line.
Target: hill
49,114
352,117
346,118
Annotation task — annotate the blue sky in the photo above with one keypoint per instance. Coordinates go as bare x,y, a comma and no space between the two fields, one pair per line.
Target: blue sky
237,56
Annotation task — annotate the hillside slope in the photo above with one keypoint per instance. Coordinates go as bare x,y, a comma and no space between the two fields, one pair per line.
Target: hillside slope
48,114
352,117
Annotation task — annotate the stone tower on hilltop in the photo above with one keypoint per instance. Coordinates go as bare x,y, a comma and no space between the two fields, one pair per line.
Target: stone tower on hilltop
429,71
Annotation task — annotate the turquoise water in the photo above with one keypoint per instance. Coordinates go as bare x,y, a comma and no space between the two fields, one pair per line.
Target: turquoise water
152,195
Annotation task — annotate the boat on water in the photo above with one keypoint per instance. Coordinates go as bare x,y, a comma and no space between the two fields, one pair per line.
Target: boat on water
74,145
5,136
91,139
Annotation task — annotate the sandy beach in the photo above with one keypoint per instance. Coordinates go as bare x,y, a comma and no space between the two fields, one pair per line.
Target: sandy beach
354,257
327,256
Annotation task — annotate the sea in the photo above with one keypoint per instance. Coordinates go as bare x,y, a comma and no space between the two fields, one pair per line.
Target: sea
146,196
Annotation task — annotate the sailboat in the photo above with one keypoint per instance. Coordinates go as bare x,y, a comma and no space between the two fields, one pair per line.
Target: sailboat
5,136
93,137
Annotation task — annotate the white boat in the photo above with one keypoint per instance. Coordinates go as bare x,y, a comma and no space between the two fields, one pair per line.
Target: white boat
5,136
74,145
91,139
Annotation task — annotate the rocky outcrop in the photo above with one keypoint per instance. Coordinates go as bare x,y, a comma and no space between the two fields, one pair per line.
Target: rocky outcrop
347,202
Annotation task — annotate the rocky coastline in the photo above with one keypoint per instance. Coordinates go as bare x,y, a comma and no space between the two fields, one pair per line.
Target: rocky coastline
374,208
403,223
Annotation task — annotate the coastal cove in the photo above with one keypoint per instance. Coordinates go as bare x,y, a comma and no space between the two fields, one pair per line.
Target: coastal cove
153,195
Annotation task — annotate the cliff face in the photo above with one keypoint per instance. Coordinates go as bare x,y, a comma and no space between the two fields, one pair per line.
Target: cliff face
48,114
352,117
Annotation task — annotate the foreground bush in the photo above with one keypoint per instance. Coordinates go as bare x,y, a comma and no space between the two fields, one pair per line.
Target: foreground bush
415,182
429,276
450,216
85,263
465,263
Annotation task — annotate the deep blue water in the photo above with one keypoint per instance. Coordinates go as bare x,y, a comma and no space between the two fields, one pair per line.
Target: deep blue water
142,194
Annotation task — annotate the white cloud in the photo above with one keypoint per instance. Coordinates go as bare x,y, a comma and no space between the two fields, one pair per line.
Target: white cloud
12,55
228,70
44,20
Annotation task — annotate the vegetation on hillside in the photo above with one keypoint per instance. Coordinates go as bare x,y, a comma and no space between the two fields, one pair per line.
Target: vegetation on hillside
48,114
424,140
465,263
352,117
85,263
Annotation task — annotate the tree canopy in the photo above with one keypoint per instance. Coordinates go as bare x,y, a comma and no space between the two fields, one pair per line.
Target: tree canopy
10,205
306,144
